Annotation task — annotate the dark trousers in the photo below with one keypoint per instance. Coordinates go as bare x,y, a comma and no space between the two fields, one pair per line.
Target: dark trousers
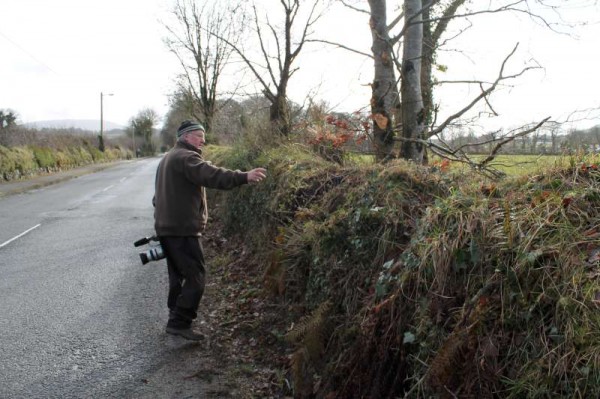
185,262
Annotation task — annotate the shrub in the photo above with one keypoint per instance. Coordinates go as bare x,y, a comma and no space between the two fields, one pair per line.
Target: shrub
8,162
16,162
96,154
25,160
63,161
45,157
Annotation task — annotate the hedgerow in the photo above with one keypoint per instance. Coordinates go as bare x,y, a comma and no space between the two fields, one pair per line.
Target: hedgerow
420,282
21,161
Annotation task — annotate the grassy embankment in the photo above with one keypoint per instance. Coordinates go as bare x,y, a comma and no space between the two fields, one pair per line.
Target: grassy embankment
422,283
27,160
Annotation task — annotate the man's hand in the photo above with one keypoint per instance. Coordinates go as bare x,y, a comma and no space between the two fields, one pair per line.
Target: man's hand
256,175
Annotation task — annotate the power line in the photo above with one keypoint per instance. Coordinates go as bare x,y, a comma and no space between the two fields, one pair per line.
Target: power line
28,53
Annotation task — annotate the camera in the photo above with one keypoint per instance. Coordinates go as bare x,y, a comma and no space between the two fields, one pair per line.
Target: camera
155,252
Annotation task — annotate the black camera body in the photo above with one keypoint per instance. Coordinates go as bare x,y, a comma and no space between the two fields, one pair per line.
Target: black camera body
155,252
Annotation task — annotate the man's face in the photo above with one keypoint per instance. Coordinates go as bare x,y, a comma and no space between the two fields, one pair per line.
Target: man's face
195,138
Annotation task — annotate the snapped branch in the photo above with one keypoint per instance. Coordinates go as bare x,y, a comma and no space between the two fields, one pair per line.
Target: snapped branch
501,77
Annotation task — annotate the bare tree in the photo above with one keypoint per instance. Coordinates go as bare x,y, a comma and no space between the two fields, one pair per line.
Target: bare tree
181,107
198,40
555,130
433,31
385,98
426,21
278,51
413,113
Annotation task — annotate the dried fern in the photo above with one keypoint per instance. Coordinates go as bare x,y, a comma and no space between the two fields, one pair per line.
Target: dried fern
310,335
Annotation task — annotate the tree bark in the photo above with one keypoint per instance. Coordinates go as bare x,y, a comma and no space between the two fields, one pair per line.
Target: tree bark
427,66
413,113
385,98
279,113
431,41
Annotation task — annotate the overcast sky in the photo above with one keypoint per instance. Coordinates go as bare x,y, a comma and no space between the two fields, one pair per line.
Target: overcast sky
56,57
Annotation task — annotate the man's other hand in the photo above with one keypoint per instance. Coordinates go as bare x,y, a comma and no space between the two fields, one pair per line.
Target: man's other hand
256,175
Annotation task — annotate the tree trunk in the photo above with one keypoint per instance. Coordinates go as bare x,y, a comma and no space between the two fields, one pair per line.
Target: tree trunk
280,115
385,98
431,41
413,113
427,66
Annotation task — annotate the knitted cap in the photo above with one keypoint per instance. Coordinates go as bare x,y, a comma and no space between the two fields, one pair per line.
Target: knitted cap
188,126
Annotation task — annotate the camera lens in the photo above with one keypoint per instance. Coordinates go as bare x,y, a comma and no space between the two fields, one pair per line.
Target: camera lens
153,253
144,258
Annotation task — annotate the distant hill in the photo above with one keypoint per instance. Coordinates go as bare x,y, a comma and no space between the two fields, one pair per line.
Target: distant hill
92,125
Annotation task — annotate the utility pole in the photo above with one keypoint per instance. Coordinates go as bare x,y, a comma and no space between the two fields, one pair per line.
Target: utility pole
101,137
133,140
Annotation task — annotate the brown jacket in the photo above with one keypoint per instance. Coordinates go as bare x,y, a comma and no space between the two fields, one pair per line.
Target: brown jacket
180,197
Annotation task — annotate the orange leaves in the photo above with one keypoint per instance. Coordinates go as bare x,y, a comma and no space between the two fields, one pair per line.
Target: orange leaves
489,189
566,201
330,139
341,124
339,132
590,167
383,304
361,139
443,165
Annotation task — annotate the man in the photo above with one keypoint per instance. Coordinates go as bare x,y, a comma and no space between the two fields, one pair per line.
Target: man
180,216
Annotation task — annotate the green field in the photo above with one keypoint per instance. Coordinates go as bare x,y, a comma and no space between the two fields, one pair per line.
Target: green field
518,165
512,165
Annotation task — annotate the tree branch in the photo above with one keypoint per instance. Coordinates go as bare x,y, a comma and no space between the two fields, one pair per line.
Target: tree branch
309,22
263,49
354,8
483,94
340,46
499,145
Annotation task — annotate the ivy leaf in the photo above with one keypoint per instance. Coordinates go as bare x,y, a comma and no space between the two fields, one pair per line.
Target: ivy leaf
532,256
409,338
475,252
380,289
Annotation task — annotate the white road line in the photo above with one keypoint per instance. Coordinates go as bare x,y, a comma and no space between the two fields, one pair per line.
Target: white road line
122,179
20,235
108,188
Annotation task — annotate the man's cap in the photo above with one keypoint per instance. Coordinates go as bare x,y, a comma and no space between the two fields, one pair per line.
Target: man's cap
188,126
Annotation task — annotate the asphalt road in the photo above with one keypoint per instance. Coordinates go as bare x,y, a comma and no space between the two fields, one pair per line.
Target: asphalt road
79,315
